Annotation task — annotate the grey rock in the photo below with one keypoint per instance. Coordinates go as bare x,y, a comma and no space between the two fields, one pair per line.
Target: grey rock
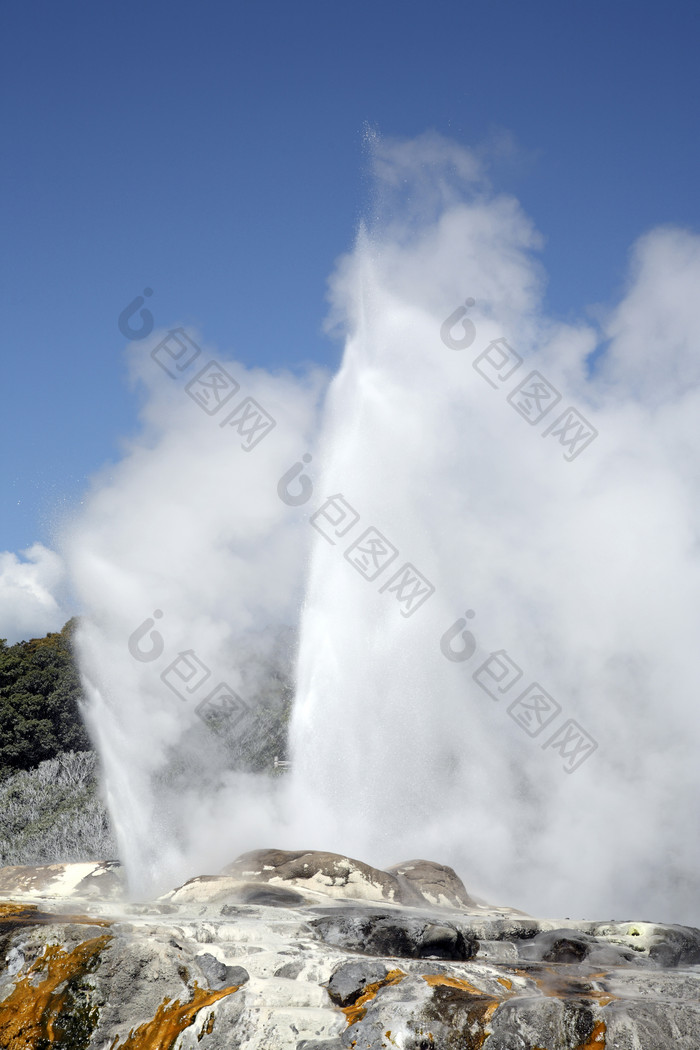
299,975
558,946
14,961
271,896
331,872
436,883
320,1044
415,882
290,970
105,882
349,980
677,946
218,974
396,934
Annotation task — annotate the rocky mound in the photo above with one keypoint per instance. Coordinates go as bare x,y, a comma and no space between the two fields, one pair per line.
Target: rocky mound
418,882
313,951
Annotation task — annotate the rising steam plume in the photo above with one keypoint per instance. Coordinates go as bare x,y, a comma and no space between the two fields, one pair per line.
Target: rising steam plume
580,567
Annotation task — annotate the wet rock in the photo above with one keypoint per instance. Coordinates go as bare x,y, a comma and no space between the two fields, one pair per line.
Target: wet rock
272,963
271,896
349,980
558,946
677,946
394,934
290,970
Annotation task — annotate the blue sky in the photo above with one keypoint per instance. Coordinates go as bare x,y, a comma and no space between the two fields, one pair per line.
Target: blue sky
214,153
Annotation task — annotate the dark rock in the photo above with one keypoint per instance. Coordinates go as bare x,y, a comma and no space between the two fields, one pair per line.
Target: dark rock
290,970
395,934
566,950
678,946
558,946
271,896
445,942
349,980
514,930
218,974
230,909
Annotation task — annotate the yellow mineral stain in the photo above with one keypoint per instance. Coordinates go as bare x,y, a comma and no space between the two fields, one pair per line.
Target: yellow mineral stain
480,1012
490,1011
171,1018
505,982
358,1009
13,913
12,908
559,985
596,1041
453,982
207,1029
31,1011
387,1035
597,1038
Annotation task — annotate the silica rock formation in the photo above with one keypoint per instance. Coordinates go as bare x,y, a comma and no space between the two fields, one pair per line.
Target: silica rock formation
315,951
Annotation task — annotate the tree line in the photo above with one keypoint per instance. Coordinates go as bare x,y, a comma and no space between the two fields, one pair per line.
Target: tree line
40,698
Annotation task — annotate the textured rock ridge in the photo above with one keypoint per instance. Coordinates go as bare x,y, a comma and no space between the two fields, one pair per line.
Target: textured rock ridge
415,882
313,951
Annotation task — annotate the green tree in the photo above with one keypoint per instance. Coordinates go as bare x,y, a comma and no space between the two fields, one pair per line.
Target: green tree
40,697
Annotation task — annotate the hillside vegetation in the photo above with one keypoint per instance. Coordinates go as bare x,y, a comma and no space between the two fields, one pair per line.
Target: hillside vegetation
55,813
51,806
40,698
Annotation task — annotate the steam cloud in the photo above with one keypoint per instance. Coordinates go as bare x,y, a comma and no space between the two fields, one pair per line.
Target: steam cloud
30,593
189,537
584,573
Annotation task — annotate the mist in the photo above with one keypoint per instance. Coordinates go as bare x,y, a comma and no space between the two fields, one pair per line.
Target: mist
186,562
539,559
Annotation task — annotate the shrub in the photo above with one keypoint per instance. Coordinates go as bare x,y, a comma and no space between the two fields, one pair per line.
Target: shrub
55,813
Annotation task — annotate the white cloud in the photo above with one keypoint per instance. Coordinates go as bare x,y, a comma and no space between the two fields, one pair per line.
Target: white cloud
30,593
655,330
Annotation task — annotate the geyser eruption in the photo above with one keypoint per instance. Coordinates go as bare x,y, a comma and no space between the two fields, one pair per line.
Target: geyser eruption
189,564
529,715
496,665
